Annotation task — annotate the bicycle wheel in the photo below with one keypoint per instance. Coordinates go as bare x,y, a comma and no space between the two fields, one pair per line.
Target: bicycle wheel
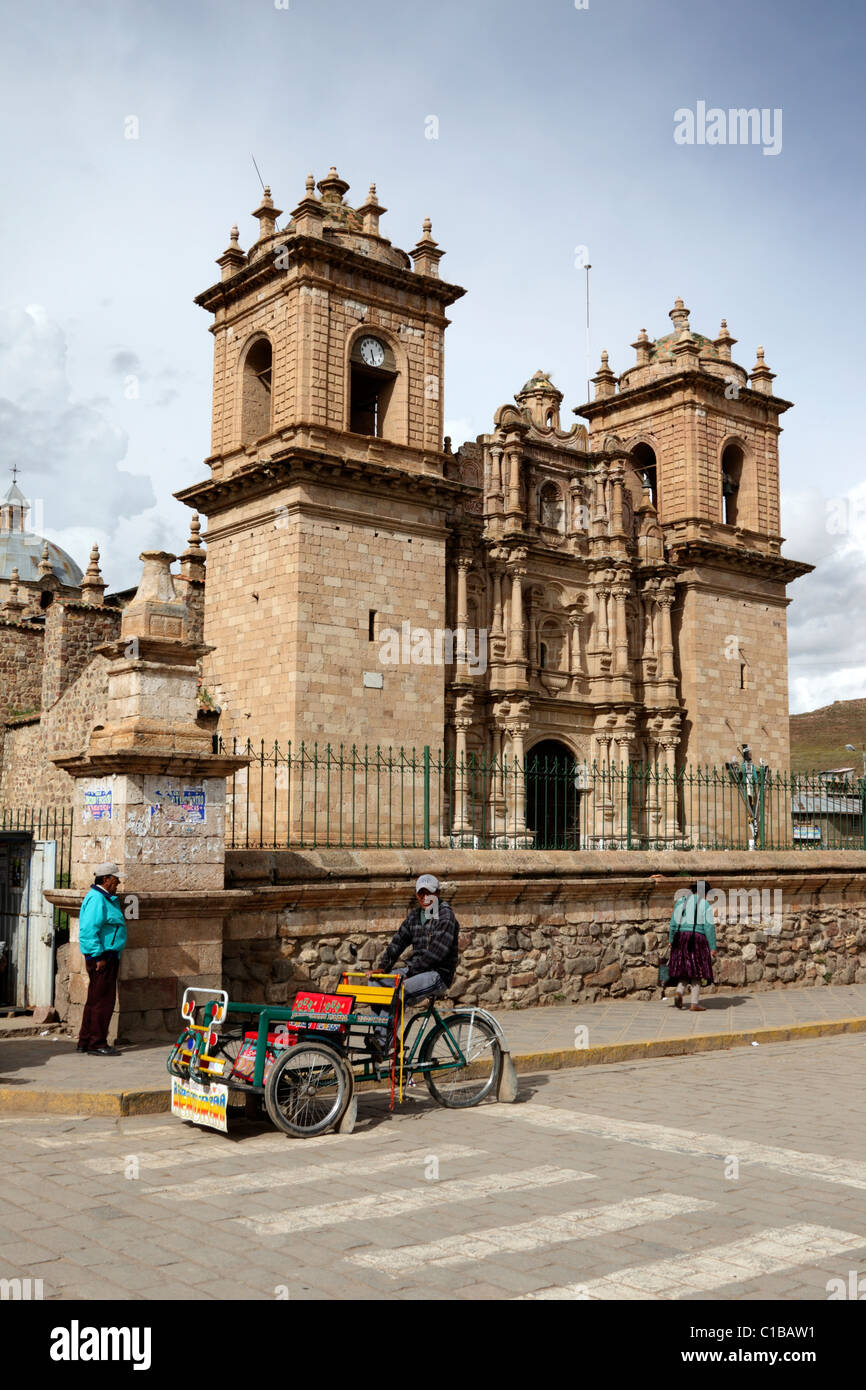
458,1086
308,1089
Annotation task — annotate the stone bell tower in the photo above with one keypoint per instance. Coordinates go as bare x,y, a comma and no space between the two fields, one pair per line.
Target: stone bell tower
327,497
704,432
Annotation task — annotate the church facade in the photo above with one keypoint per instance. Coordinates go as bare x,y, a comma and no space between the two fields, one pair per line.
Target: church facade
608,593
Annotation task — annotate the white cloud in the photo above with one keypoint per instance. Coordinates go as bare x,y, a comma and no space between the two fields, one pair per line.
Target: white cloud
826,634
68,454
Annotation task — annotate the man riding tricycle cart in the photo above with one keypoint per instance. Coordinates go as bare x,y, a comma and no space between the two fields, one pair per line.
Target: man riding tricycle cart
305,1059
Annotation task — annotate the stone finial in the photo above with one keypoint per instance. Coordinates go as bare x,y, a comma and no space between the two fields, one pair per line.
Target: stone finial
156,611
687,351
45,569
309,215
604,380
679,316
643,348
93,585
233,257
426,254
333,188
761,378
371,211
192,561
724,342
267,215
14,602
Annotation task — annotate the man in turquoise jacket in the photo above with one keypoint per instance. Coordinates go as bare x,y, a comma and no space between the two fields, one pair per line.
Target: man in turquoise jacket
101,937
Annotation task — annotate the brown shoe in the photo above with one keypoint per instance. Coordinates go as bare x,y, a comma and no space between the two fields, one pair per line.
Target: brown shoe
678,1000
697,1009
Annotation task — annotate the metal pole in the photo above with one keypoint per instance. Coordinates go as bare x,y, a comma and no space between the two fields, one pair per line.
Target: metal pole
426,796
588,356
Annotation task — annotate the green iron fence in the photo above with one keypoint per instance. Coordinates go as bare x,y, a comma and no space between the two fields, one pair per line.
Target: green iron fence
342,796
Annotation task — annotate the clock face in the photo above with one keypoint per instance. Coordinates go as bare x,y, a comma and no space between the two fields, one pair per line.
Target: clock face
372,352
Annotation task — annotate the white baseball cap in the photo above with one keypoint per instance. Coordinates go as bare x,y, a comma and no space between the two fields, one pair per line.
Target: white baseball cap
427,883
106,870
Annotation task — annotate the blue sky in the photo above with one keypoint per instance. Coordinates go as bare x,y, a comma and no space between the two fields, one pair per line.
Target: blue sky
555,129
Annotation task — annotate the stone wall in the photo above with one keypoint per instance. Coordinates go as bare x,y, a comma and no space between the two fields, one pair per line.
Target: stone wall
20,668
73,632
27,777
545,928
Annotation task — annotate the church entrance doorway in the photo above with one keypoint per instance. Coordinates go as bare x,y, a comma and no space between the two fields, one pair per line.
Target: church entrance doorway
552,796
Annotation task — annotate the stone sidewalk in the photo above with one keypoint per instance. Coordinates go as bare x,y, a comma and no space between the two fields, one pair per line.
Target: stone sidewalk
45,1075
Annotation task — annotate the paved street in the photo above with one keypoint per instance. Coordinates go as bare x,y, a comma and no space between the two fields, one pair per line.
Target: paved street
733,1175
52,1063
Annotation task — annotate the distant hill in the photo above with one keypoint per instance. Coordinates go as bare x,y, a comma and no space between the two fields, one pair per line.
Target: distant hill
818,738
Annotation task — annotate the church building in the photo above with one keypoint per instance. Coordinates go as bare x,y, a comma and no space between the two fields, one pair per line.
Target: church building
606,593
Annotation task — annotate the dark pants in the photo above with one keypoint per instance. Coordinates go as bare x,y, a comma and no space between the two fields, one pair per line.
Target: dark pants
101,994
416,988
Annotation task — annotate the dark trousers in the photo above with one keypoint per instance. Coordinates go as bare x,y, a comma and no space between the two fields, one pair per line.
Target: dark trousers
101,994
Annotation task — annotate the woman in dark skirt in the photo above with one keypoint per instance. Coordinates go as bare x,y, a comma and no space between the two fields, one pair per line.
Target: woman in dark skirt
693,945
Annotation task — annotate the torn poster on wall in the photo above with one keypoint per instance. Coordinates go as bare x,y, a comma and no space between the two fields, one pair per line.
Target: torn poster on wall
97,803
185,805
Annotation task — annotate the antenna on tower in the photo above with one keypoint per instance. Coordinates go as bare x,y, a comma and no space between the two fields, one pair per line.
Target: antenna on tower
588,357
258,170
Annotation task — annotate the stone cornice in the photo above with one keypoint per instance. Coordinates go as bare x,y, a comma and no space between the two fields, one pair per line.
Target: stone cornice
358,880
686,554
259,479
161,905
166,762
311,248
710,384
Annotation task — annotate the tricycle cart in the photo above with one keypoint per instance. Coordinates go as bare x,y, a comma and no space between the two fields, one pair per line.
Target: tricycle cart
305,1060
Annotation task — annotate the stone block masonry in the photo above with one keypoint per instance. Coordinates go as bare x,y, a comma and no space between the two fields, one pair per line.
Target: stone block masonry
543,927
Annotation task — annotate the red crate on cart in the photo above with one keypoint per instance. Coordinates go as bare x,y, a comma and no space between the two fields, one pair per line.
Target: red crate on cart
324,1010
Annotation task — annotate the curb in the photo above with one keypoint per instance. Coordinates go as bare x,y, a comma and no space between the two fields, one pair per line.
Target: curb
157,1101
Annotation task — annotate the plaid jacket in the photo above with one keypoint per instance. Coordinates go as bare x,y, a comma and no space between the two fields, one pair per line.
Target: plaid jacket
434,944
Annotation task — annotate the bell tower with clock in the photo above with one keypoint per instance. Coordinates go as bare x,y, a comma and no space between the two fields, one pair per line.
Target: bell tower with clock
327,497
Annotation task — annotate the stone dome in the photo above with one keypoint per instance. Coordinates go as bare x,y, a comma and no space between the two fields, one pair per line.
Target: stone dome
22,549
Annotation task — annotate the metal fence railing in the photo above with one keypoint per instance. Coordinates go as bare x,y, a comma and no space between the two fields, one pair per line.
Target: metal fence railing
35,823
340,796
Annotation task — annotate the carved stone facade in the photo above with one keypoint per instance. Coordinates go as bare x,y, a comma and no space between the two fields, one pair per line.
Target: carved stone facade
625,580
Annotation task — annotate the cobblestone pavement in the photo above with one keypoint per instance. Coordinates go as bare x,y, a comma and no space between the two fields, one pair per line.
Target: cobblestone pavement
53,1063
734,1175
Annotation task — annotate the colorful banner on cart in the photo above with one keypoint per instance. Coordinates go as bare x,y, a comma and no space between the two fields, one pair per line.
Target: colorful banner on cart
204,1105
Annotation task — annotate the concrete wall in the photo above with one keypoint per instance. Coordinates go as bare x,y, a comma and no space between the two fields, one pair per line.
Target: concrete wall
544,927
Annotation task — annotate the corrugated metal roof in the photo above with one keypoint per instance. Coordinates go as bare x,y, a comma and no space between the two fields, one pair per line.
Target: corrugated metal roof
808,805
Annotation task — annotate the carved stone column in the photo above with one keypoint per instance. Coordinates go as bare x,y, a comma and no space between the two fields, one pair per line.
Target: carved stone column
599,511
668,784
666,642
464,565
621,591
532,516
462,823
496,494
518,727
513,510
517,639
616,474
576,618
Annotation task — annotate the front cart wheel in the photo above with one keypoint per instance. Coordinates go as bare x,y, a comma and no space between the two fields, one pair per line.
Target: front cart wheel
467,1060
308,1090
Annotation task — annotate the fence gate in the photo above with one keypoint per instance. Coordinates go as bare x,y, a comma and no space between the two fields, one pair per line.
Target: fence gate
26,922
